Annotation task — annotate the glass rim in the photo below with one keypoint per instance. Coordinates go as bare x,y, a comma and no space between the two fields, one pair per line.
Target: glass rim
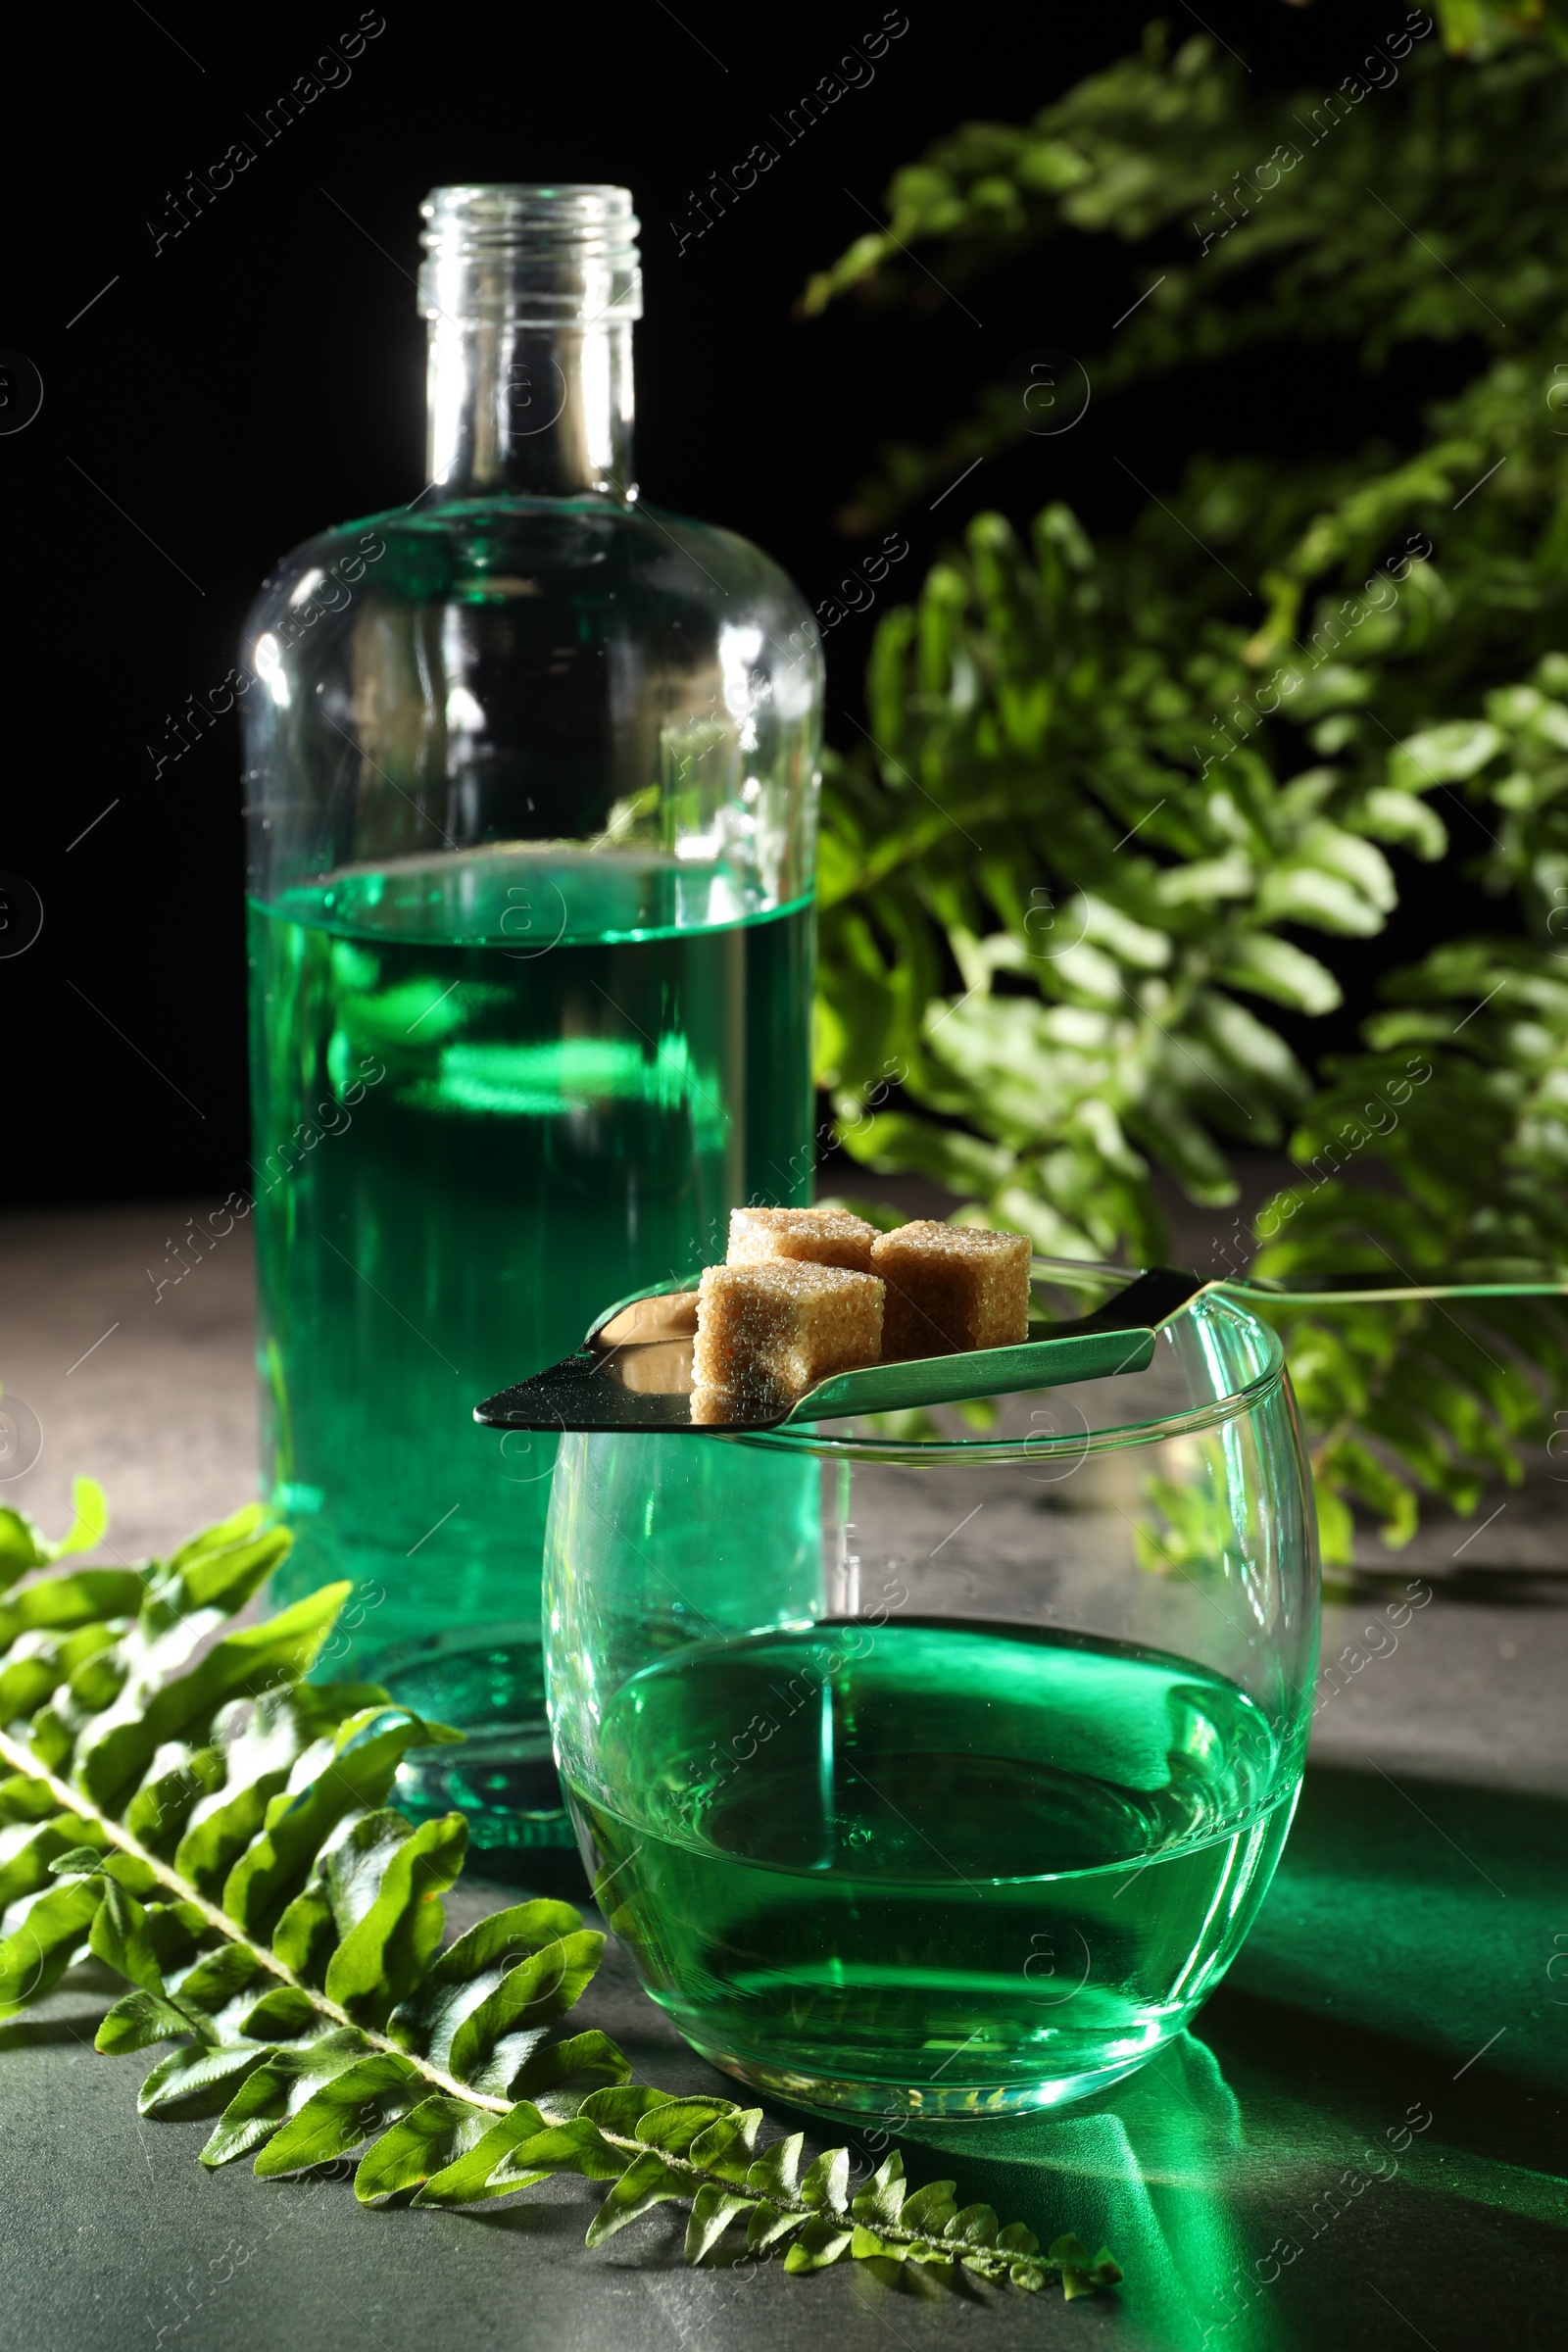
809,1438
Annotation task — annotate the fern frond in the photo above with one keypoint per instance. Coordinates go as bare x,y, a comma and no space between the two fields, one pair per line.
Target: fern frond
1259,203
1463,1108
1128,906
192,1813
1164,763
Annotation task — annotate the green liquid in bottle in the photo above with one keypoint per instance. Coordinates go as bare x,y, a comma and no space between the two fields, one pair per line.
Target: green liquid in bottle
490,1096
932,1868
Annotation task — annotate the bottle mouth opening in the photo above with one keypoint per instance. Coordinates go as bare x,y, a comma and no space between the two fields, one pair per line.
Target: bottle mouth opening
560,254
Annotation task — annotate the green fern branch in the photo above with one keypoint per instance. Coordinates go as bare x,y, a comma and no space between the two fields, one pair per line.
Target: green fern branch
197,1817
1114,917
1462,1106
1268,197
1078,988
118,1840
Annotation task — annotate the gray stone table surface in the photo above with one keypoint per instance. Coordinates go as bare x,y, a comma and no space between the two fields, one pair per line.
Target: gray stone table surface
1363,2143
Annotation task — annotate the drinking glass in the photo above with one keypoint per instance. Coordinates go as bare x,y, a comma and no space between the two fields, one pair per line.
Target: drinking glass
934,1764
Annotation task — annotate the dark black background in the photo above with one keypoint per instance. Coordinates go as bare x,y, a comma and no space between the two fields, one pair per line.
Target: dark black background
261,377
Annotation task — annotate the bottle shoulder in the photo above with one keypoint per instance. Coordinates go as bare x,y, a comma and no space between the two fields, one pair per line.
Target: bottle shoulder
515,550
533,670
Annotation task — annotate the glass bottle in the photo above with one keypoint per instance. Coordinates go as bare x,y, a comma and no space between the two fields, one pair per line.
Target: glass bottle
531,782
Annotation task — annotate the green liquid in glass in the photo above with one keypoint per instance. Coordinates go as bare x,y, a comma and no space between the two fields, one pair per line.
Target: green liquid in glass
490,1095
934,1868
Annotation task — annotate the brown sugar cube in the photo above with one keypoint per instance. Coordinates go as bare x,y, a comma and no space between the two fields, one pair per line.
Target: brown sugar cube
827,1236
782,1325
713,1408
950,1288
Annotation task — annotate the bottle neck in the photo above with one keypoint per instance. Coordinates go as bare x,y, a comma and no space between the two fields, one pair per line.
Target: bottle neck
544,411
